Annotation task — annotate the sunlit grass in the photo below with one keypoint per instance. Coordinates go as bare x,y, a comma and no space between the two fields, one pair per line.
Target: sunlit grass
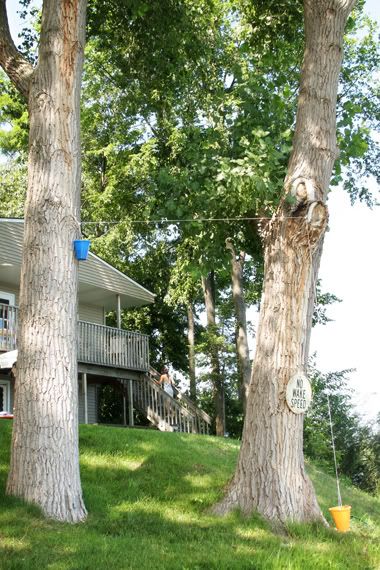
148,496
103,461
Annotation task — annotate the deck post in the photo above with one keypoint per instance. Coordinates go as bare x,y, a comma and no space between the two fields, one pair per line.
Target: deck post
118,312
130,403
84,378
124,407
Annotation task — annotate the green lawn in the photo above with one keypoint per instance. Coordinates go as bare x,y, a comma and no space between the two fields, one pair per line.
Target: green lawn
147,494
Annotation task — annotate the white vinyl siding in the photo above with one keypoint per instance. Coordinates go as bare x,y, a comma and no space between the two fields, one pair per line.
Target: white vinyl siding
92,399
92,403
91,314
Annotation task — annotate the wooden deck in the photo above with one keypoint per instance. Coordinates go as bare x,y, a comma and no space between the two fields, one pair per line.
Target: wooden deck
97,344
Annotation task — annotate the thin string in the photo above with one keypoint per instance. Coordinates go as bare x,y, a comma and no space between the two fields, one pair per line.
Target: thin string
189,220
314,285
333,446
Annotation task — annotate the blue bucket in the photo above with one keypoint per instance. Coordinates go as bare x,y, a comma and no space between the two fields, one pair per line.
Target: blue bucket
81,248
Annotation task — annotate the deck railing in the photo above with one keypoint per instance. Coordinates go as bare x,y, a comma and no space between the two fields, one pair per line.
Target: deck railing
108,346
97,344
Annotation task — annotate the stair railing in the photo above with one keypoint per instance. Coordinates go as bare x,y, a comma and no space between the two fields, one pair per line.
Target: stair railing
165,412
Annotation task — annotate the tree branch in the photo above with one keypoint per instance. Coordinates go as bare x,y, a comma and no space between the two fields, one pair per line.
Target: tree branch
14,64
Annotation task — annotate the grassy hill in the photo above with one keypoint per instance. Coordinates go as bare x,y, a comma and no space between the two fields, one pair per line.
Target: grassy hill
147,494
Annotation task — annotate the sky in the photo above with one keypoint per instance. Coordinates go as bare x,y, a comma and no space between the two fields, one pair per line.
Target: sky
350,269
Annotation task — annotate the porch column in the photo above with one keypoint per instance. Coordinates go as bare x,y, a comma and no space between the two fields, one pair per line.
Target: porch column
124,404
84,379
118,312
130,403
118,324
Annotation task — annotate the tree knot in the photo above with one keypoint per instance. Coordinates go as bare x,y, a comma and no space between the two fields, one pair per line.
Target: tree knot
303,191
316,220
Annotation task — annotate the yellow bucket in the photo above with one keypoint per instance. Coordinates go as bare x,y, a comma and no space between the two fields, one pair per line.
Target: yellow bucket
341,516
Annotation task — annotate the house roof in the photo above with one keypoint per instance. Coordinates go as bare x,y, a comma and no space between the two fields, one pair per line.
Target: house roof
99,282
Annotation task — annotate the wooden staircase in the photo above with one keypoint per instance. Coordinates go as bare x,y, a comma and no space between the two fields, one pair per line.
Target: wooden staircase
163,411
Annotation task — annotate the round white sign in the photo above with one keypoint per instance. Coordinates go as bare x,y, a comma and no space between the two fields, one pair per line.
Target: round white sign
298,393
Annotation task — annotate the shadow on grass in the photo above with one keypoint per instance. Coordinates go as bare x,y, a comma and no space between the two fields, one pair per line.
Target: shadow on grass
147,495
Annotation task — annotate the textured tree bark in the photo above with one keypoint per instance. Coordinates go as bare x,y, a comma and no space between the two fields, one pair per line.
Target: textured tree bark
191,341
208,284
242,348
270,475
45,458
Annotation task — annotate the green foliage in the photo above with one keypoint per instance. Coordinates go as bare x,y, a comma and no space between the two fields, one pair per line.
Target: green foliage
323,300
208,136
110,405
149,493
222,337
164,323
14,120
13,176
152,50
359,109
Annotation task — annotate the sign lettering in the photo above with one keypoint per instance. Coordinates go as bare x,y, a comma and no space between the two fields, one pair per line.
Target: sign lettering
298,393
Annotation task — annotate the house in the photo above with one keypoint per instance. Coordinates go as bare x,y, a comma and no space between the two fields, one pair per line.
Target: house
107,356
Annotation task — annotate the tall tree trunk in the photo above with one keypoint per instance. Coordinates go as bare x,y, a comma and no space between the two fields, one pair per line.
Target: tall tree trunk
242,348
191,341
270,475
45,458
208,284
